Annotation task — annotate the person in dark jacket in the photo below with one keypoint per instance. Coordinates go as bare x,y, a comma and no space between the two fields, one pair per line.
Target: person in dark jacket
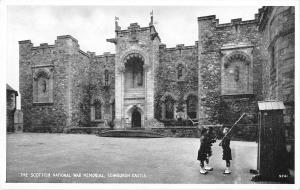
202,152
226,150
211,139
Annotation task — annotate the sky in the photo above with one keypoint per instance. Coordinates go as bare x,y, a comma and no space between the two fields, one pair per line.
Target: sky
92,25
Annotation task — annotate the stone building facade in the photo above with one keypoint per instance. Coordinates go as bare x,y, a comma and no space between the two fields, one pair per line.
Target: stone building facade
277,25
147,85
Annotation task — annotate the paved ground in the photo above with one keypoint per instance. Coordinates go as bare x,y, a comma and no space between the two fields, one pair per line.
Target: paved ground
120,160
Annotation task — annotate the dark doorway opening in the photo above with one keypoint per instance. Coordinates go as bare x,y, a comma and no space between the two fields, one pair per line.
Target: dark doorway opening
136,119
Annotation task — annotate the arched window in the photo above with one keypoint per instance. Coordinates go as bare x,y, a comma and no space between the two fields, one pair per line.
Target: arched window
97,107
169,107
134,71
191,105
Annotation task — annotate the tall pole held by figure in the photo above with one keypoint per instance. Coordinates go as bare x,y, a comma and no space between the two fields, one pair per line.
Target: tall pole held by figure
232,128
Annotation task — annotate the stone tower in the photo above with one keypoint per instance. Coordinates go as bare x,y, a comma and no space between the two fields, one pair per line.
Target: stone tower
137,55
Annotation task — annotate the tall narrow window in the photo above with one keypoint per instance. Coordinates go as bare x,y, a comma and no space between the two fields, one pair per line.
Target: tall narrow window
272,57
192,106
179,72
98,114
44,86
169,108
273,68
106,76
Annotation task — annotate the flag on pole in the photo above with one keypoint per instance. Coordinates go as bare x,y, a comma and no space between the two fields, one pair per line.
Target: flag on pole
116,18
151,13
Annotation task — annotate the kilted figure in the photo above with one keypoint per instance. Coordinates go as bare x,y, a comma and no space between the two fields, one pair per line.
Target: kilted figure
226,150
202,152
211,139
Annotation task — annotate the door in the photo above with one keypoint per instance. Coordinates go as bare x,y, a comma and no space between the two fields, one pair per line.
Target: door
136,119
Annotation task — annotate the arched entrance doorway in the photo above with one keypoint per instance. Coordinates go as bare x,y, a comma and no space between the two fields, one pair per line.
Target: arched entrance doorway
136,119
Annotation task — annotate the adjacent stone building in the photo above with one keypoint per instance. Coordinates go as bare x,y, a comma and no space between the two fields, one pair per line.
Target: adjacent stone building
11,107
148,85
277,25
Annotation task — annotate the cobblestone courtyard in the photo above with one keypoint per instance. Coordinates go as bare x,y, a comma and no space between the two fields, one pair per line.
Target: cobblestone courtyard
55,158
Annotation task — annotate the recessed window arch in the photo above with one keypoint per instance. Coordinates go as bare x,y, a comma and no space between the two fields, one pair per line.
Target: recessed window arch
191,106
169,107
237,72
42,85
168,102
134,71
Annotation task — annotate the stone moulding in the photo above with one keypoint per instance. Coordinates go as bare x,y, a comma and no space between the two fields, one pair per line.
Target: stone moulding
237,55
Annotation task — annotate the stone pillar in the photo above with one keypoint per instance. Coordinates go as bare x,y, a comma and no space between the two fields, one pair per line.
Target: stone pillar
201,114
119,97
149,96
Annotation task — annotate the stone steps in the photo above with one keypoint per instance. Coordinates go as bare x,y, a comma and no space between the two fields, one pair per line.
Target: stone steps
131,133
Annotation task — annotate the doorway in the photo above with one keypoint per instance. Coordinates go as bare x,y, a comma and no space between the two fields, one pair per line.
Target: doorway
136,119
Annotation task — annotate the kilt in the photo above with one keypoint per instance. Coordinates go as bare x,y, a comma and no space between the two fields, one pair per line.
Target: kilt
202,156
226,149
202,152
227,154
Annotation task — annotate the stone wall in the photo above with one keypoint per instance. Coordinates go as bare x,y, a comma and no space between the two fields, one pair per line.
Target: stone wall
105,92
78,78
60,58
215,108
168,81
277,25
18,121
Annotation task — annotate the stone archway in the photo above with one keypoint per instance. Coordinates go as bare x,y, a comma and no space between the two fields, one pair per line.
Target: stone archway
134,80
135,116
